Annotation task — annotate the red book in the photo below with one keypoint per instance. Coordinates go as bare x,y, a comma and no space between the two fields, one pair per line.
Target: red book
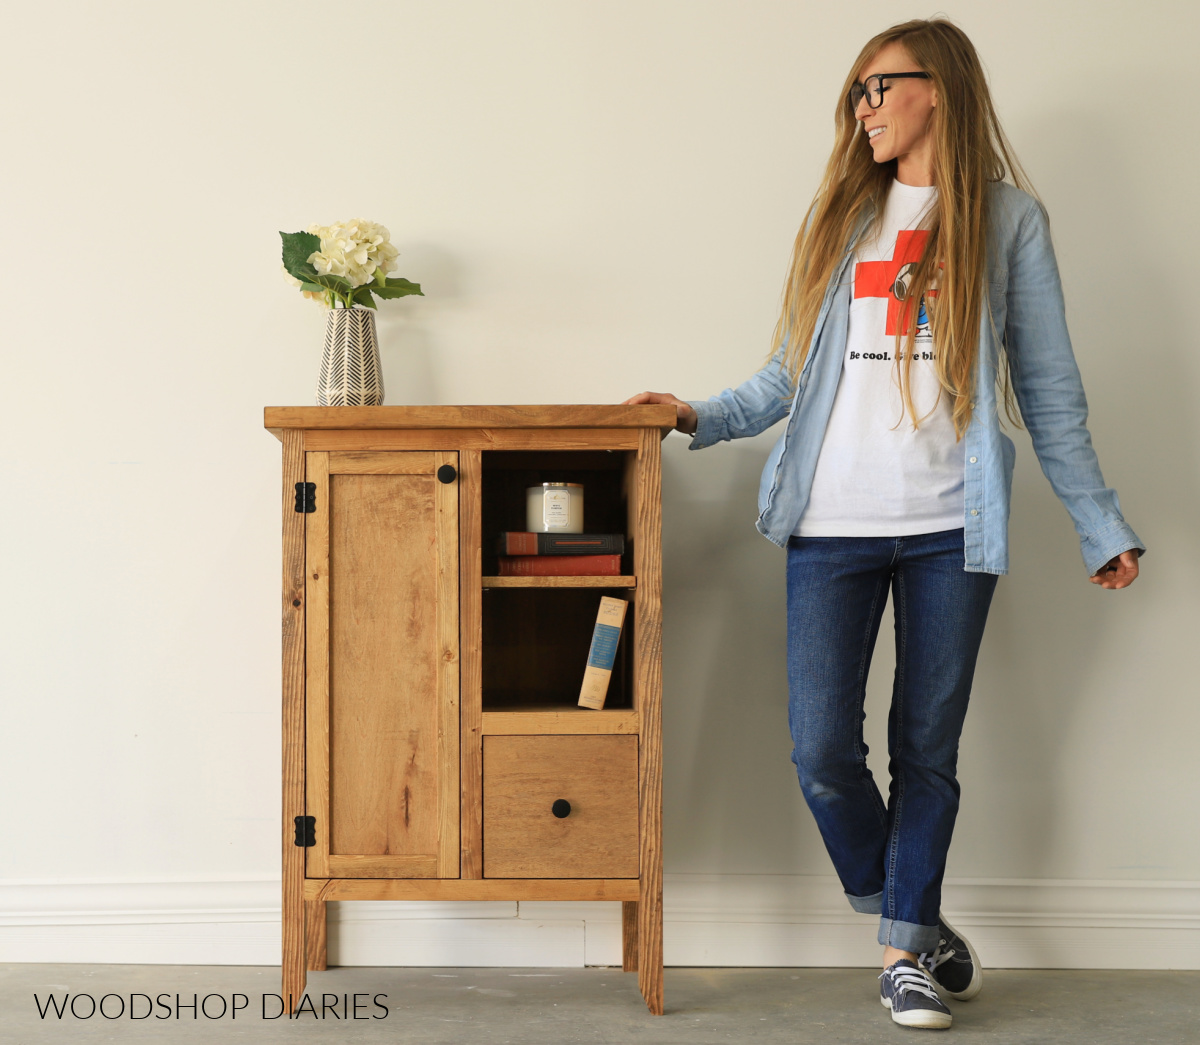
560,565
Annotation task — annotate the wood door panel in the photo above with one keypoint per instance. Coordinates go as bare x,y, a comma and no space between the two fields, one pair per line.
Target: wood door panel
383,772
383,686
522,778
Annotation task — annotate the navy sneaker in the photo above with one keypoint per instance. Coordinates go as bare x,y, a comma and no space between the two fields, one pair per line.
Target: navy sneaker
953,964
906,989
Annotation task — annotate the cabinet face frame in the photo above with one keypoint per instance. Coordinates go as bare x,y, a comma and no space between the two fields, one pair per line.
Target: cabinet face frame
421,501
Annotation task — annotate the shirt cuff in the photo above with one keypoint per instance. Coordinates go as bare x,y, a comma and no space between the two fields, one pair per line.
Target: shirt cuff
1104,545
708,423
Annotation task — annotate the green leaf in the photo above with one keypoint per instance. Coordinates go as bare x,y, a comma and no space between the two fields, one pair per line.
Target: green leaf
297,248
398,288
362,296
314,288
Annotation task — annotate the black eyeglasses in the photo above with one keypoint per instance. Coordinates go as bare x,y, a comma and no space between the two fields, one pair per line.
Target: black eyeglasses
872,88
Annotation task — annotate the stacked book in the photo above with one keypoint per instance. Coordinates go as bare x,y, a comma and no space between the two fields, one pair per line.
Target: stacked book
560,554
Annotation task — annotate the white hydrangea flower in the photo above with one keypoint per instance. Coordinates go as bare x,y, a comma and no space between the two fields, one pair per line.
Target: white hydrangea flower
353,250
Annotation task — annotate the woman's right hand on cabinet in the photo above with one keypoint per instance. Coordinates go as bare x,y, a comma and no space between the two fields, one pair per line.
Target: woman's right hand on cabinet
685,416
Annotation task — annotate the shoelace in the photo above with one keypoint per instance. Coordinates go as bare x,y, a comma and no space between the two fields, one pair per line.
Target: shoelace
932,960
910,980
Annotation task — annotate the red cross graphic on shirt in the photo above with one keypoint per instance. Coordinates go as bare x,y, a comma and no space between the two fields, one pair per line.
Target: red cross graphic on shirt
874,279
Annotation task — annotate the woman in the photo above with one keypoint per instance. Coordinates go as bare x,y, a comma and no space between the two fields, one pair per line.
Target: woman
923,294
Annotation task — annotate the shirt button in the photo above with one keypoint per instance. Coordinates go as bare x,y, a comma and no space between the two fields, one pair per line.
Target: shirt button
974,511
974,459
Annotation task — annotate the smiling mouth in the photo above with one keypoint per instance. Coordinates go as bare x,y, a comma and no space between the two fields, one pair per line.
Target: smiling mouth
875,132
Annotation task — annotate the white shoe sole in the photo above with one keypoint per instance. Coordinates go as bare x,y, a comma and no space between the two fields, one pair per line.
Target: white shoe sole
926,1019
976,984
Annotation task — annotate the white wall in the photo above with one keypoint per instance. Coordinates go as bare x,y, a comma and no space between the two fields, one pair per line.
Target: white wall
597,199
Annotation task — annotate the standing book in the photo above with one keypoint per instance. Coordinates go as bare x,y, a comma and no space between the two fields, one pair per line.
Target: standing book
603,653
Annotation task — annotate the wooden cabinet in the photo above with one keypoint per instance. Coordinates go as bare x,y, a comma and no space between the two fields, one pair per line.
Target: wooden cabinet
432,746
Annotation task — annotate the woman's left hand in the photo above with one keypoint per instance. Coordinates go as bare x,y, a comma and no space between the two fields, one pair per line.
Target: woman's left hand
1119,572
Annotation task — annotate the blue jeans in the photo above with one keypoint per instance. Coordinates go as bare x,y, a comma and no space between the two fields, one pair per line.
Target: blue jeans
890,859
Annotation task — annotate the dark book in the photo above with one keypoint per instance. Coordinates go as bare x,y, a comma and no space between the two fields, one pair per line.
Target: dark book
561,544
560,565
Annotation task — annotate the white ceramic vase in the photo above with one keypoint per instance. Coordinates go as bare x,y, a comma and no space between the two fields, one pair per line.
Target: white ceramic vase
350,370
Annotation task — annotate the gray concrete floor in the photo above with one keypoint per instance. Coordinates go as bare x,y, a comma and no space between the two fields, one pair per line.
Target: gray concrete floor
594,1006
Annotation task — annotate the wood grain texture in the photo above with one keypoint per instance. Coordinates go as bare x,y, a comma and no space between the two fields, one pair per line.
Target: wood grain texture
618,889
589,415
418,866
559,582
315,935
414,462
572,720
293,958
580,440
524,776
387,664
470,523
629,937
648,703
446,635
316,583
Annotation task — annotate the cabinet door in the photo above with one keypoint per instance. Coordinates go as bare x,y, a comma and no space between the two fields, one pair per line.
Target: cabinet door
382,682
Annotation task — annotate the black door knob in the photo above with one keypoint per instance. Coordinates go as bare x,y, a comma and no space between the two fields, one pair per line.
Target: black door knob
447,473
561,808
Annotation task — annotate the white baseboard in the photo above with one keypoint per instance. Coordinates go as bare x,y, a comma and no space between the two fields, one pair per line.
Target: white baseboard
710,920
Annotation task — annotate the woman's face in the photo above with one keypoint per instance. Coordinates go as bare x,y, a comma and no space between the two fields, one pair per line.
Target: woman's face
900,128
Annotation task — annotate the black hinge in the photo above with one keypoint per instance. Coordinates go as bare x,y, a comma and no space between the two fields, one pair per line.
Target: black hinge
306,830
306,497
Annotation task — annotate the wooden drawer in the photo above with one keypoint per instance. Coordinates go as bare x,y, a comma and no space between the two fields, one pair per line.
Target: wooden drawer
523,777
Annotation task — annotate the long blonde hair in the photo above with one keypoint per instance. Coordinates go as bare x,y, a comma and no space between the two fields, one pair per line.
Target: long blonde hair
969,151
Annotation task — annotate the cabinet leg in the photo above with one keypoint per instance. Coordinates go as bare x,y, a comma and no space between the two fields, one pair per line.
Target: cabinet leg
629,936
314,935
294,975
649,948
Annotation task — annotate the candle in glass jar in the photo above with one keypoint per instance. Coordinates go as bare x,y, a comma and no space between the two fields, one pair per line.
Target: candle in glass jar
554,508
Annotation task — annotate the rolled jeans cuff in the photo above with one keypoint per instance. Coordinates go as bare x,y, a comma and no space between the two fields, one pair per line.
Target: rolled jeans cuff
866,904
905,936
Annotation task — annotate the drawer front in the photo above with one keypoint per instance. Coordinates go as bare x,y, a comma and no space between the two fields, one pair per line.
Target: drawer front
523,779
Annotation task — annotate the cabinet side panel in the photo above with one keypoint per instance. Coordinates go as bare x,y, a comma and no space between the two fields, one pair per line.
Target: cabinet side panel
293,715
384,666
470,479
648,702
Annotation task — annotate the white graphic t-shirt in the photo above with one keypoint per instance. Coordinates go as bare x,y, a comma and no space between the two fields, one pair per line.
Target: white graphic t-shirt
876,476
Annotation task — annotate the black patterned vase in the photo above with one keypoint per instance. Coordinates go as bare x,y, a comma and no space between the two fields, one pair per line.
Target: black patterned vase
350,370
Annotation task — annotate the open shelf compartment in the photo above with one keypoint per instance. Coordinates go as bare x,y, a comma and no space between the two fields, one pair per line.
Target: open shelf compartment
605,476
535,648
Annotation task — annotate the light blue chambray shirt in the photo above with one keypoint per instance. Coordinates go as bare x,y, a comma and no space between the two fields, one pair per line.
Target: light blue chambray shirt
1028,318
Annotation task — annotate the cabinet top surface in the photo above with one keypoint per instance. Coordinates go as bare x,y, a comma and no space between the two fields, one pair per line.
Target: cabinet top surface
590,415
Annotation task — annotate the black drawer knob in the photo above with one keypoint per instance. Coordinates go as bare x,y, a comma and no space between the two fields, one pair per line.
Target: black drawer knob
561,808
447,473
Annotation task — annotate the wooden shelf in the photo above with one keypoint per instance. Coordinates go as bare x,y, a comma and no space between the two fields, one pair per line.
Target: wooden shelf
560,582
515,721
